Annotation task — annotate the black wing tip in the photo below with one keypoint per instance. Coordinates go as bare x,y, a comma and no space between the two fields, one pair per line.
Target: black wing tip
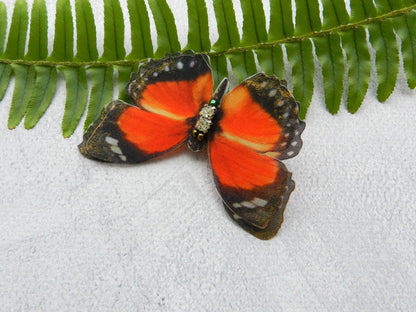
263,234
278,202
83,149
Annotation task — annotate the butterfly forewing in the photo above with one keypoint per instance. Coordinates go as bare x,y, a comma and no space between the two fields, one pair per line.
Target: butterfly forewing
270,215
126,134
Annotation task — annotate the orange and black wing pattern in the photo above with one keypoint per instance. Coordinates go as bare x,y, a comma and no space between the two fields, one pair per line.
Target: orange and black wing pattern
257,126
167,95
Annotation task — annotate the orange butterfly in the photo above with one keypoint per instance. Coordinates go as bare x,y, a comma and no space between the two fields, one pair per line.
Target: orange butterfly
248,131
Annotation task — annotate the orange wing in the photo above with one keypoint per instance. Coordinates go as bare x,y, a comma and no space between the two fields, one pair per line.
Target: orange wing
258,126
174,87
126,133
262,114
167,95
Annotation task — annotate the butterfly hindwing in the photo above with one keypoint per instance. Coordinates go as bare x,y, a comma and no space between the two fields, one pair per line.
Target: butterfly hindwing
166,95
262,113
258,126
175,86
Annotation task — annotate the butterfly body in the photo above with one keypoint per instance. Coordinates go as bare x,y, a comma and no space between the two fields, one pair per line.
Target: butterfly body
247,132
207,118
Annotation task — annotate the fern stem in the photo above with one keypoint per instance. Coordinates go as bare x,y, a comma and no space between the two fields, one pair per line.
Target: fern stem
262,45
72,63
321,33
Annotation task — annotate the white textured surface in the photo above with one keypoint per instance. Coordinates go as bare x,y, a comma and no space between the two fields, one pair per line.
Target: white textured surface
78,235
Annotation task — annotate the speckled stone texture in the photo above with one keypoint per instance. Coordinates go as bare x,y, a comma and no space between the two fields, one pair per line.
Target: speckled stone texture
79,235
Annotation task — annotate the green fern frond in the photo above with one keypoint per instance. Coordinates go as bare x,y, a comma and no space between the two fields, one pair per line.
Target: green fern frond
341,43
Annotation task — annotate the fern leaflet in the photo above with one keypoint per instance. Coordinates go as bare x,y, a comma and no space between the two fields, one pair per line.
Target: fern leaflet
340,41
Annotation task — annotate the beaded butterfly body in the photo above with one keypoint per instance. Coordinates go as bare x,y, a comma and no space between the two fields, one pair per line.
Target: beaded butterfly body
247,130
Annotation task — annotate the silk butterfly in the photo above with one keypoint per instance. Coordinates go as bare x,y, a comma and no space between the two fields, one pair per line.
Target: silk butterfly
247,131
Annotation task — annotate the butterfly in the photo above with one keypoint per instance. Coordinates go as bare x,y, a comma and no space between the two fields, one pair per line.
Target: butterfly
247,132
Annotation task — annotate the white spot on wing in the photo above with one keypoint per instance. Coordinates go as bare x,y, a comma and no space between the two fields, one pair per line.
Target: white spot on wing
272,92
111,140
236,205
179,65
259,202
122,157
155,74
116,149
192,64
248,204
236,217
167,68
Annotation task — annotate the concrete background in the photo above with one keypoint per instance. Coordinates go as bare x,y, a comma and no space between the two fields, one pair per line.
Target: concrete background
78,235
